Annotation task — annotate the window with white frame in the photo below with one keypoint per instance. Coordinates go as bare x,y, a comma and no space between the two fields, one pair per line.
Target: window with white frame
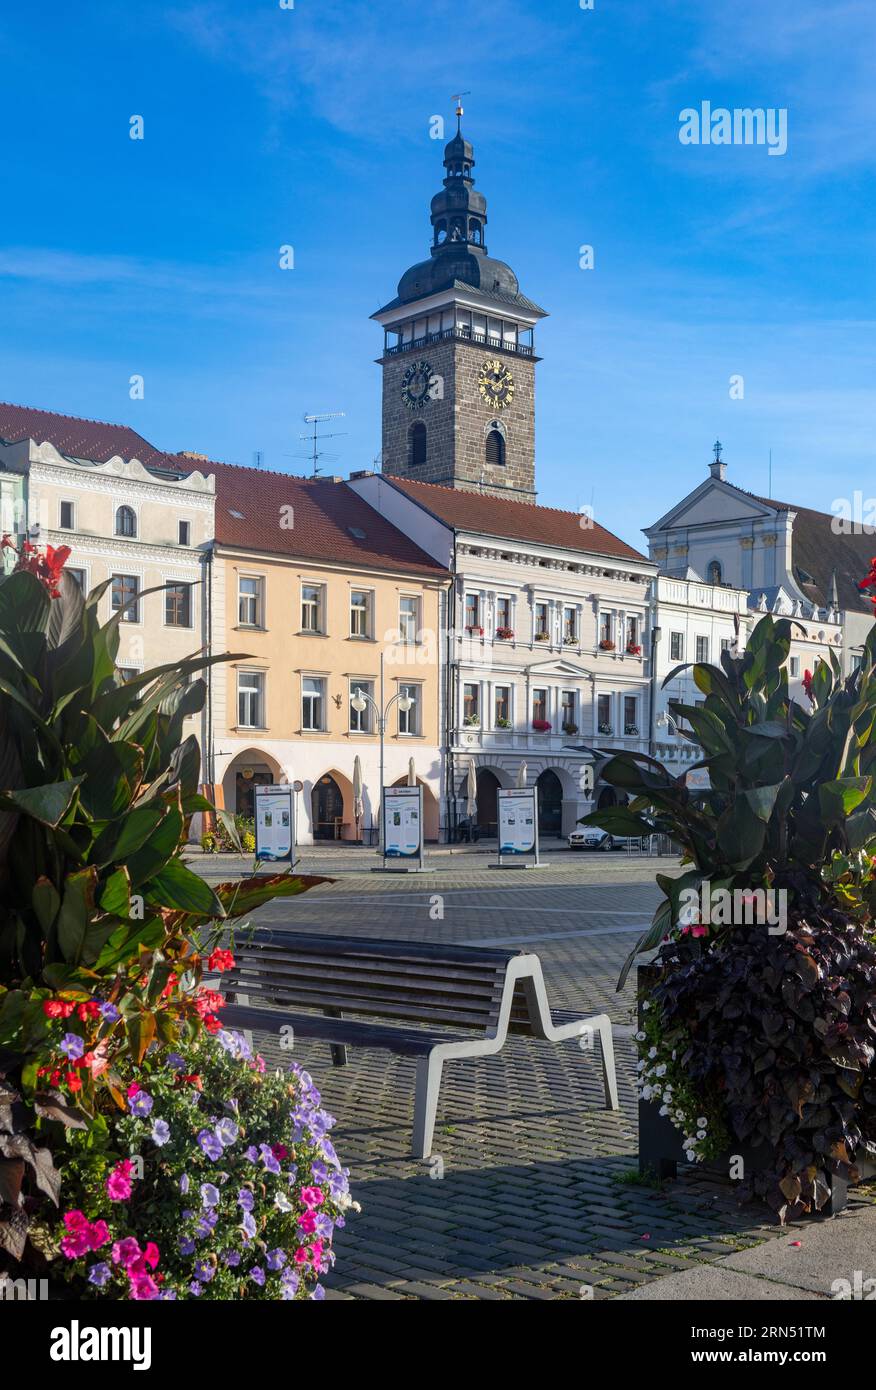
313,703
409,617
632,630
360,612
606,628
361,720
471,703
502,706
66,516
631,715
123,597
184,533
726,644
539,706
542,622
178,605
570,624
251,699
794,665
312,607
676,646
250,601
702,649
126,522
570,711
473,612
503,614
409,719
603,714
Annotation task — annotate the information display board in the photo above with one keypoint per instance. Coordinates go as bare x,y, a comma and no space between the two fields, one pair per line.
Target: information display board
403,823
518,824
274,822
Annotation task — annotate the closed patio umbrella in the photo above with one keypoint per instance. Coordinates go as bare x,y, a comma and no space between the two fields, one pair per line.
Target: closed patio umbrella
521,775
412,776
358,807
471,792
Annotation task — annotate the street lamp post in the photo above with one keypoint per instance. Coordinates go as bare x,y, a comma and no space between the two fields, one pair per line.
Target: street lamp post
360,701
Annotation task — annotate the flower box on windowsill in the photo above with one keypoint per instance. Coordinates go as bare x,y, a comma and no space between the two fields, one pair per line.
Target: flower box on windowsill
631,730
605,729
570,641
503,723
473,630
634,649
472,721
542,637
570,728
541,726
505,634
606,645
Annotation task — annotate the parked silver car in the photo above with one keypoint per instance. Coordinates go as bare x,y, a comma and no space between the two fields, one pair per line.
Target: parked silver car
591,837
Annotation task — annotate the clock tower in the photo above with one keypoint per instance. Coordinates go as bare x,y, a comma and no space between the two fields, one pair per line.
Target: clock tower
458,359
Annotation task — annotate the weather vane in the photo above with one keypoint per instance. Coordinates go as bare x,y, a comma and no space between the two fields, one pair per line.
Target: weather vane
719,449
457,100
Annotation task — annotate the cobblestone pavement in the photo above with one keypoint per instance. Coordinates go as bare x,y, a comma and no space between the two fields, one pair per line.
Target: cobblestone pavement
532,1191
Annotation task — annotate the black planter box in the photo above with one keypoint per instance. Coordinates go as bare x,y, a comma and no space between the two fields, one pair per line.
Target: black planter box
660,1143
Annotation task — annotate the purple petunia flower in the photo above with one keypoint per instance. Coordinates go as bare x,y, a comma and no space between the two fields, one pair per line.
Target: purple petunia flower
272,1164
209,1194
231,1258
245,1199
257,1275
249,1225
160,1132
176,1061
168,1294
204,1271
251,1153
324,1226
318,1293
195,1288
226,1132
209,1144
99,1274
72,1046
140,1104
184,1183
109,1013
319,1172
275,1259
186,1245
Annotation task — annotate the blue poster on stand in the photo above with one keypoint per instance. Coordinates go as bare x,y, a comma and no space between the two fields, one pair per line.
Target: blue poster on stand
274,822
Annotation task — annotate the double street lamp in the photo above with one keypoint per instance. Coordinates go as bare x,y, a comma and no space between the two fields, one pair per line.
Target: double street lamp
360,701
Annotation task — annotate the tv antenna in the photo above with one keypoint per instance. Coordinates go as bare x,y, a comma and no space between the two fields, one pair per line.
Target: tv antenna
315,438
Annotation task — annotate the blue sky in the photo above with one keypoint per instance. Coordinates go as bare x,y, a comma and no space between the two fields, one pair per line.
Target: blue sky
267,126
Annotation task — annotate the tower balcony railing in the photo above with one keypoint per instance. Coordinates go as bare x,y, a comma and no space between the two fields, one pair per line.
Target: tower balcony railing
465,335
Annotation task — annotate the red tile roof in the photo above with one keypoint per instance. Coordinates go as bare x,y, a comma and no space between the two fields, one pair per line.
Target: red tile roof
81,439
250,506
524,521
323,511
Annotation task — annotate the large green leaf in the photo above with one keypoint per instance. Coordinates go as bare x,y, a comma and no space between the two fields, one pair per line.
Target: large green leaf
175,886
47,804
740,835
840,798
126,835
250,893
77,905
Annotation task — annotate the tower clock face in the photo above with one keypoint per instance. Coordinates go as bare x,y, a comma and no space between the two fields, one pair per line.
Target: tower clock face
417,385
496,384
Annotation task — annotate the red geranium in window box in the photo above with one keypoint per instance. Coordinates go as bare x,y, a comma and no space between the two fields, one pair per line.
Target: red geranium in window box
474,631
634,649
505,634
541,726
606,645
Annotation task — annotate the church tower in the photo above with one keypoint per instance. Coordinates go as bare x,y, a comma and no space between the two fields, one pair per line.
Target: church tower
458,360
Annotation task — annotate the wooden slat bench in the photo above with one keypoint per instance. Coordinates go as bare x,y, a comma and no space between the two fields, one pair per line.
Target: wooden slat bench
393,988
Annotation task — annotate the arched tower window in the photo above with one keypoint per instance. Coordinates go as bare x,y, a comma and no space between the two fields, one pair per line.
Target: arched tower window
495,448
440,232
126,521
474,232
417,444
715,573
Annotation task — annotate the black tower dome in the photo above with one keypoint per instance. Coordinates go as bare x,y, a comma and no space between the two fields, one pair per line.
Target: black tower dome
459,252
